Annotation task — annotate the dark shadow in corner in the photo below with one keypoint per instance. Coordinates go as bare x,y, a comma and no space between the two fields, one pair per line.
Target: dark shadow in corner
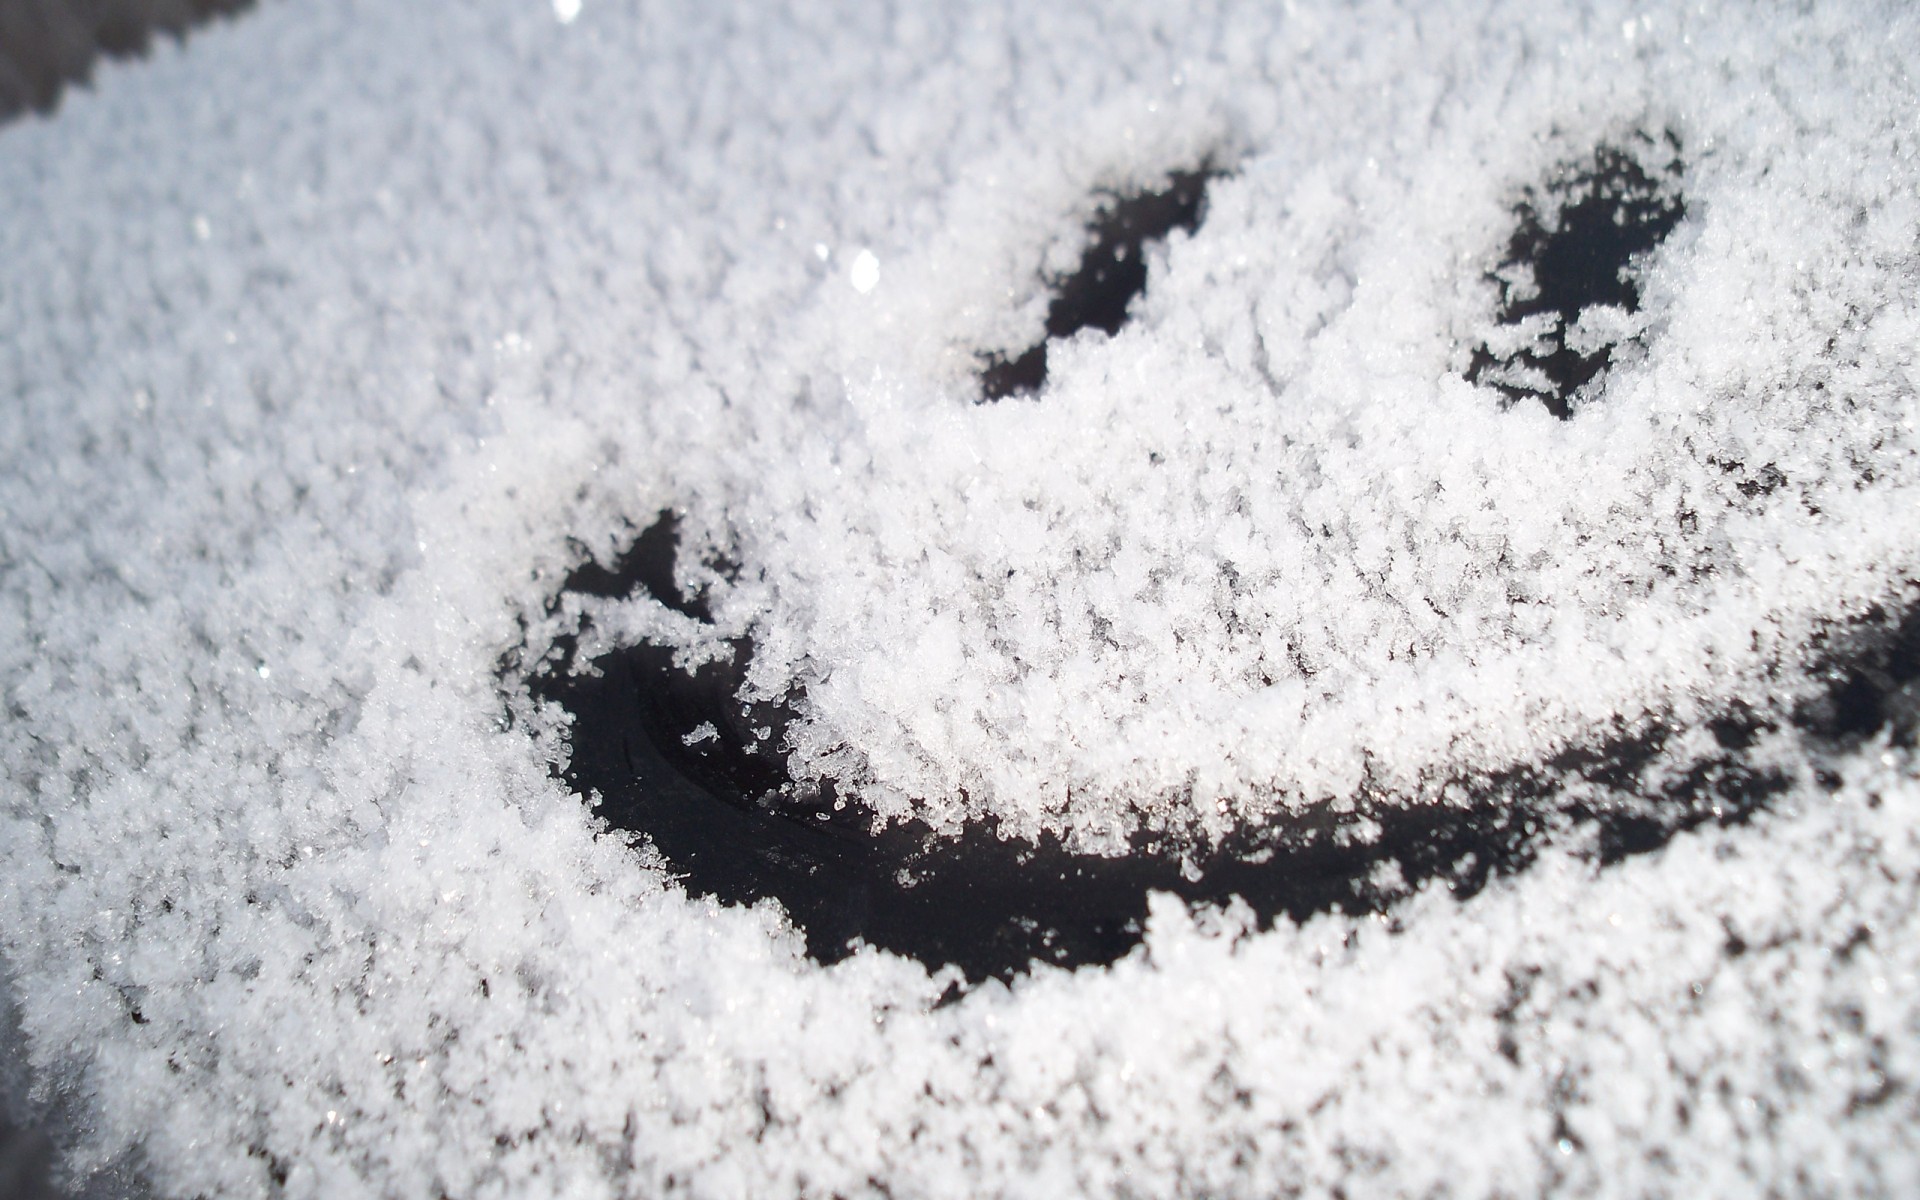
47,44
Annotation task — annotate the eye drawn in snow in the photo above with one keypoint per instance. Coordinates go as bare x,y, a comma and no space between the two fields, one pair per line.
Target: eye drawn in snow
1570,296
1112,271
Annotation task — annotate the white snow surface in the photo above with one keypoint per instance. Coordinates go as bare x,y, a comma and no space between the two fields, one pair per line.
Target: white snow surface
336,337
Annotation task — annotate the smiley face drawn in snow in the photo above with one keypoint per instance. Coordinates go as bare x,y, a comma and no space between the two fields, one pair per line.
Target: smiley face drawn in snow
1310,552
1394,546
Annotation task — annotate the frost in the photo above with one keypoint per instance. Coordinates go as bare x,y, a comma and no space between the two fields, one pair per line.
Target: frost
340,337
865,272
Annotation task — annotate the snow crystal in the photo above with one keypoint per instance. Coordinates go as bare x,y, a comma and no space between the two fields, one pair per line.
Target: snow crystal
865,273
340,336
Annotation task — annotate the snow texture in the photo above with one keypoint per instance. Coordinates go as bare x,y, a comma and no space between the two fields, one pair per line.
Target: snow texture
338,336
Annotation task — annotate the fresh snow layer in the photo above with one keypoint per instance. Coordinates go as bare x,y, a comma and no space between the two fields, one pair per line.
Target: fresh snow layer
335,339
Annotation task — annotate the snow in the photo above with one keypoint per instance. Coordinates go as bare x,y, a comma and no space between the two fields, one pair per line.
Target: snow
339,335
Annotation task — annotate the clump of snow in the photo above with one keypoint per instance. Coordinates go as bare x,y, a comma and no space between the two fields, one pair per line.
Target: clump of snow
338,336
